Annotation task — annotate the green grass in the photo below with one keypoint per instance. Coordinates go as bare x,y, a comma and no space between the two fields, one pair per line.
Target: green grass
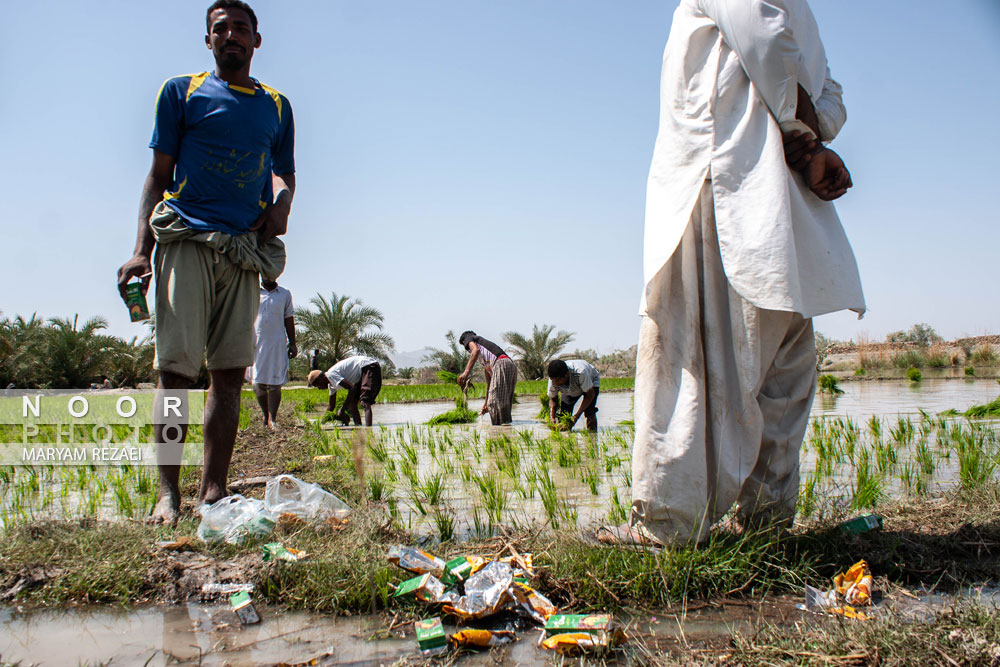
828,384
416,393
991,409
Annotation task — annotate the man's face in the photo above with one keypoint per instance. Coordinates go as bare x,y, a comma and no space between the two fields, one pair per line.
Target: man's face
560,381
231,38
269,285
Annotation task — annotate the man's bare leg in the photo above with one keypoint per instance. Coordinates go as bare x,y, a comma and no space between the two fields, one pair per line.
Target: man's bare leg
168,503
368,414
273,402
263,401
222,418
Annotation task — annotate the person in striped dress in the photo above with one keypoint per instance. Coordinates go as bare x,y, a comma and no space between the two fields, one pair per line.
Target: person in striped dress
501,375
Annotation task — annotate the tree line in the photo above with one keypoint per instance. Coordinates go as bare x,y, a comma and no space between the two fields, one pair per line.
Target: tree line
63,353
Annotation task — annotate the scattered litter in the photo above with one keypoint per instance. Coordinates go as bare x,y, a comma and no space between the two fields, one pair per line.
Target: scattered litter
471,638
861,524
182,543
278,551
430,636
426,587
244,608
226,589
475,587
853,588
416,561
537,605
286,494
234,519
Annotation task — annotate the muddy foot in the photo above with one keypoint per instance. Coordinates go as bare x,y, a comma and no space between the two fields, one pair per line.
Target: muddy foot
166,510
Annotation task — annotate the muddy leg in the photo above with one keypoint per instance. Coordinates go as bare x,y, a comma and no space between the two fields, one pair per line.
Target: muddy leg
262,400
273,402
222,416
169,449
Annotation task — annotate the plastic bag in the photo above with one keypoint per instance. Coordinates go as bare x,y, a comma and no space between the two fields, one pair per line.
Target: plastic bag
234,519
286,494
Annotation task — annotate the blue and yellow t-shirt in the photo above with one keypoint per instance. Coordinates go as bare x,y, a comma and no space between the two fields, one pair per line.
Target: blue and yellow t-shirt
227,140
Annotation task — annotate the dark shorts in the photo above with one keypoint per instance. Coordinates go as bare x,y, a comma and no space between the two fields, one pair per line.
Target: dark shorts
371,384
567,403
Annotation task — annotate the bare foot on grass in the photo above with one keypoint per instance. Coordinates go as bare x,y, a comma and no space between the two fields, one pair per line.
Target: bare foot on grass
166,510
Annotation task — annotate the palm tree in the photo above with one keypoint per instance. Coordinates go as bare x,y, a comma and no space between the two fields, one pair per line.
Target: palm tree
343,326
131,362
22,351
533,354
451,360
76,355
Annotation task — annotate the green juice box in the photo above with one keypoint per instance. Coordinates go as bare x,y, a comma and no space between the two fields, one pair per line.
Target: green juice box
430,636
136,301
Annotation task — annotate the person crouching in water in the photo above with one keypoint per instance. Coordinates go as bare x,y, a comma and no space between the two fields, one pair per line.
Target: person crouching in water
361,376
501,375
572,379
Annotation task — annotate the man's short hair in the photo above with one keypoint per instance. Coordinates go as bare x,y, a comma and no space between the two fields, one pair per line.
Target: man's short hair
466,336
230,4
557,369
313,376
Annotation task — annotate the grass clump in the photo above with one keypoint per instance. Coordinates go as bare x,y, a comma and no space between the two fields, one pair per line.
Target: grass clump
828,384
913,374
991,409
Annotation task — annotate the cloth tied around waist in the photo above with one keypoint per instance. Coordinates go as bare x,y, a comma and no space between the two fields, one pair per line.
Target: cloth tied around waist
244,250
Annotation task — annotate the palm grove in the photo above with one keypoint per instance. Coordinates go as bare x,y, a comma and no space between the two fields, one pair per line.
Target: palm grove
64,353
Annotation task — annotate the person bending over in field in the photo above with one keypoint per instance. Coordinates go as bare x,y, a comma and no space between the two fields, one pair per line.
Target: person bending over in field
501,375
361,376
569,380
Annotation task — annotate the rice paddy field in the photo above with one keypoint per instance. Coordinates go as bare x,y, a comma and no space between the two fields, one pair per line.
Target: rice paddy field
458,482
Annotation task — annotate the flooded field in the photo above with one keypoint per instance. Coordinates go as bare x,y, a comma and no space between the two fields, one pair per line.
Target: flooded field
877,440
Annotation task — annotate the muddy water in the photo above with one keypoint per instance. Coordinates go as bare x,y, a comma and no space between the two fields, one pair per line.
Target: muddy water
209,635
860,399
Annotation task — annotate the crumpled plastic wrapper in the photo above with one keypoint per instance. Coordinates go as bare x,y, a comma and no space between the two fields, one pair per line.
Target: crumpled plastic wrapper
486,592
570,643
853,588
415,560
537,605
481,638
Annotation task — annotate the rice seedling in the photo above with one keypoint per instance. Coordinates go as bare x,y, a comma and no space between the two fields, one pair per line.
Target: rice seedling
433,489
379,488
924,458
975,464
869,488
913,374
494,496
444,521
807,496
591,479
548,494
618,513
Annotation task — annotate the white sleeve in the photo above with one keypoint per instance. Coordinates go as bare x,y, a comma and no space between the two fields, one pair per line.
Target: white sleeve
289,308
552,390
760,33
586,382
830,109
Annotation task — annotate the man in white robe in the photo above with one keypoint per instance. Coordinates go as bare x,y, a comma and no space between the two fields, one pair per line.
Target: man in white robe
742,249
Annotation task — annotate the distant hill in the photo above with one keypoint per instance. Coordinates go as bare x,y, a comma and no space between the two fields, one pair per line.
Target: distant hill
413,358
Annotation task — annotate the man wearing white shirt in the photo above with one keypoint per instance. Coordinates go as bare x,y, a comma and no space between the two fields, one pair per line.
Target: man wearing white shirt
274,331
570,381
361,376
742,249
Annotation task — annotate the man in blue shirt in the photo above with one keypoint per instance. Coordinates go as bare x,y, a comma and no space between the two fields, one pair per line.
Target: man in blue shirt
218,193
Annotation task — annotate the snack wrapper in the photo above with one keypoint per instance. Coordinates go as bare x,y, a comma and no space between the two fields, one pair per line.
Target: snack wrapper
481,638
416,561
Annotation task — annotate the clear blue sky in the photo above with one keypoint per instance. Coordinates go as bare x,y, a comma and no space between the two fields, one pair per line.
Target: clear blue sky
472,164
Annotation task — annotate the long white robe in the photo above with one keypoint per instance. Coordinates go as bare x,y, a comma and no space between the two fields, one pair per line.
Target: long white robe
731,70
